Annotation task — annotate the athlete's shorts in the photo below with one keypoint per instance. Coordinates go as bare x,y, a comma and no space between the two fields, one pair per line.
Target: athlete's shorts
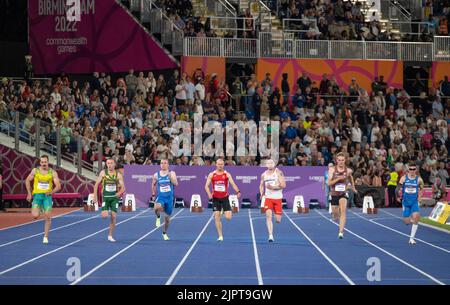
276,205
409,209
335,199
42,202
110,204
166,203
220,204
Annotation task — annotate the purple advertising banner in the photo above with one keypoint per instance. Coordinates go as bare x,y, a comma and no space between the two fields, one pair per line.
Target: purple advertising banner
84,36
306,181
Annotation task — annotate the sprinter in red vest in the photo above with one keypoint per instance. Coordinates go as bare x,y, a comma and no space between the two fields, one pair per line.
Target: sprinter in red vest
220,180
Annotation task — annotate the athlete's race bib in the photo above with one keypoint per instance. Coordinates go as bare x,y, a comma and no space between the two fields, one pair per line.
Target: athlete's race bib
339,187
164,188
110,187
410,190
43,186
219,187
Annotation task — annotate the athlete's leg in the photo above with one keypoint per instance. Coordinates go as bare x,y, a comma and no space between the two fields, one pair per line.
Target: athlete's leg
228,215
168,208
278,210
218,223
36,206
158,209
343,214
406,214
112,223
415,218
269,222
48,222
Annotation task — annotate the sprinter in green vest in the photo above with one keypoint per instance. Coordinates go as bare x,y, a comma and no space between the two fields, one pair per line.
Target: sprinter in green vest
112,189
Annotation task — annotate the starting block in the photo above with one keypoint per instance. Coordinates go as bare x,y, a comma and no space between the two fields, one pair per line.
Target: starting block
299,205
90,206
368,206
234,203
129,205
196,204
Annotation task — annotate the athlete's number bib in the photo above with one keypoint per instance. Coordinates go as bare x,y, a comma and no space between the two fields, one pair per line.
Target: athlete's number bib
410,190
43,185
164,188
110,187
219,187
339,187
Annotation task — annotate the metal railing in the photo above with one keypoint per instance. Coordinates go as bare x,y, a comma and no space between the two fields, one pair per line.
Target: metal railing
44,138
241,48
410,27
159,23
441,48
230,23
268,46
220,8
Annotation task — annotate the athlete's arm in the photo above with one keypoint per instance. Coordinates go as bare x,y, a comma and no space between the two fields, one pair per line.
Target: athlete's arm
233,184
121,185
261,187
399,186
173,178
57,187
97,183
332,181
208,182
27,184
154,185
421,186
352,181
282,183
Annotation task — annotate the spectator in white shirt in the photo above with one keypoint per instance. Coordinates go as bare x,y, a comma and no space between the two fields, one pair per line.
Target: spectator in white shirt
190,89
180,94
401,112
200,90
356,134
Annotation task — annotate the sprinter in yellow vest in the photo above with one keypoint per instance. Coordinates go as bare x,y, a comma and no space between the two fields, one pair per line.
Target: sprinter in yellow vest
45,184
112,189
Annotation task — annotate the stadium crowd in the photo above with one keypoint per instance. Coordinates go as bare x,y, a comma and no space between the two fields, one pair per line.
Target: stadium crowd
380,128
317,19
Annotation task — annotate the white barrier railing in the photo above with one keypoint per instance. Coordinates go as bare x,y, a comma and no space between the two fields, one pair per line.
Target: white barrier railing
441,48
203,46
312,49
240,47
267,46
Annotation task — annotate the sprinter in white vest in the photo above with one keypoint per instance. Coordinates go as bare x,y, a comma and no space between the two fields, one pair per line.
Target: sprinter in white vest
271,188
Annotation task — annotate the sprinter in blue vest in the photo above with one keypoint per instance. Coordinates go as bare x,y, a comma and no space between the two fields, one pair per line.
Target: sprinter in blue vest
162,187
412,186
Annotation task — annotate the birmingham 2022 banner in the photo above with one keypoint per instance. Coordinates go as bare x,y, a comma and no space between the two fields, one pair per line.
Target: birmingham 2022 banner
305,180
83,36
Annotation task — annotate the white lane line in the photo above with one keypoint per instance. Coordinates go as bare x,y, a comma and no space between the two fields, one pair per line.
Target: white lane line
34,221
339,270
255,250
422,223
120,252
388,253
52,230
401,233
67,245
183,260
